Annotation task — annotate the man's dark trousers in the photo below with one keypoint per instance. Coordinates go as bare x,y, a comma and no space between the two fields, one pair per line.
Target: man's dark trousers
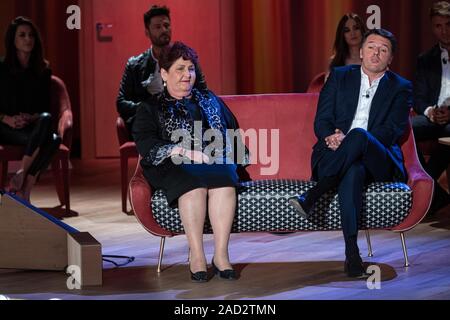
360,159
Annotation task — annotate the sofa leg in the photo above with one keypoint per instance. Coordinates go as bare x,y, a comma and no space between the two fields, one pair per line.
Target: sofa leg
4,172
161,253
448,177
369,244
405,252
124,181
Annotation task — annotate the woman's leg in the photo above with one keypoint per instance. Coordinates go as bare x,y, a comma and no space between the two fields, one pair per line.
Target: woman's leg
28,184
17,181
16,137
192,206
221,208
38,136
39,163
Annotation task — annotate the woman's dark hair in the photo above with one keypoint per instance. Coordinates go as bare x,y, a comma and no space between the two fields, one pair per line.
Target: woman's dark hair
37,62
340,47
176,51
155,11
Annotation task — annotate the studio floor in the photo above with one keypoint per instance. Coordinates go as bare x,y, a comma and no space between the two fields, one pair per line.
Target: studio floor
306,265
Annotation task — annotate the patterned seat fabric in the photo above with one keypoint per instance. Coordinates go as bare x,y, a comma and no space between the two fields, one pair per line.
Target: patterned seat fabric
263,206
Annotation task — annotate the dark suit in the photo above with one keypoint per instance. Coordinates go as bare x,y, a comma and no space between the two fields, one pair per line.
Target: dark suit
427,88
132,92
363,156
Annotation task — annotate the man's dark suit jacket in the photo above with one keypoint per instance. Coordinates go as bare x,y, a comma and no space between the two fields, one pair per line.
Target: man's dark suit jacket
132,92
427,86
388,118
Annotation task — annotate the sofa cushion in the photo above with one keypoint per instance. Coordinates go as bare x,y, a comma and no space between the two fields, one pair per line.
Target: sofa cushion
263,206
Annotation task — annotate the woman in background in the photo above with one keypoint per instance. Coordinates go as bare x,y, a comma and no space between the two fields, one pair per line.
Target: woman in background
349,37
25,104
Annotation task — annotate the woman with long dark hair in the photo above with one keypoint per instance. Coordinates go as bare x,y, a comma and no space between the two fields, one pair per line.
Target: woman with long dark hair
25,104
349,37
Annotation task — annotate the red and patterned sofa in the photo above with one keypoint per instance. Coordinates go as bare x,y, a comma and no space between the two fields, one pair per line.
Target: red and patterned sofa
262,200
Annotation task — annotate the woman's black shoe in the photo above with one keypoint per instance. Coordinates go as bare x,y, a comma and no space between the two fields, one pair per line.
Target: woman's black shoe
201,276
228,274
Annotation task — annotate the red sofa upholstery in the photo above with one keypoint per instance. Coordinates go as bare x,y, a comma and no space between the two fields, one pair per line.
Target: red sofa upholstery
294,115
316,84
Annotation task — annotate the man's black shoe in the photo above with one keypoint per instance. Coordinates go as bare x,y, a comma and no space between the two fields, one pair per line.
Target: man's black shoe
305,202
354,267
301,204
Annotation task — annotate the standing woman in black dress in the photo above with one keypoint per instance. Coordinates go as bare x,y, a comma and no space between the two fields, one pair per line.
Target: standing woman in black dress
205,181
25,104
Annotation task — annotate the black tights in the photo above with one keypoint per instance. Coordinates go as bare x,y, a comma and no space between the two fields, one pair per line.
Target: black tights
37,135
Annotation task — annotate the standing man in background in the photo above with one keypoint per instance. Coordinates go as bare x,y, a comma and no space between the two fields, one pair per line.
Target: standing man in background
142,77
432,100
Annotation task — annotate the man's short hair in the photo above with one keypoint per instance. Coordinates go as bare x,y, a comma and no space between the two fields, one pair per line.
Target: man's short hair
441,8
155,11
385,34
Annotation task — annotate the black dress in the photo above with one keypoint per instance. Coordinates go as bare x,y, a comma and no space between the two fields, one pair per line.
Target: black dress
158,118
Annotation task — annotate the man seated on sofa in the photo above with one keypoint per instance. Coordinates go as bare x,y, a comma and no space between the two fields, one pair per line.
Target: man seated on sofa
362,113
432,100
142,77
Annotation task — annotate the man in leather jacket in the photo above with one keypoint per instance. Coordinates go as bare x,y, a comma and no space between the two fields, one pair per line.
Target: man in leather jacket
141,77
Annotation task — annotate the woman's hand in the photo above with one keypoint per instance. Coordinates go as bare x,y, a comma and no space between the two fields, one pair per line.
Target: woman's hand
29,118
193,155
197,156
15,122
9,121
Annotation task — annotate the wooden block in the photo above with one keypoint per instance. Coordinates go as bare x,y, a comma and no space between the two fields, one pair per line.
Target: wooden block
29,239
85,252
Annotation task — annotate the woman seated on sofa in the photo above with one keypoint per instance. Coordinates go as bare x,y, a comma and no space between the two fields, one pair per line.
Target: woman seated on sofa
193,179
25,103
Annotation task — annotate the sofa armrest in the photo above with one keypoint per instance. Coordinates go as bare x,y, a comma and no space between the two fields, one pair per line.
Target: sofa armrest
140,197
65,125
419,181
122,131
61,106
